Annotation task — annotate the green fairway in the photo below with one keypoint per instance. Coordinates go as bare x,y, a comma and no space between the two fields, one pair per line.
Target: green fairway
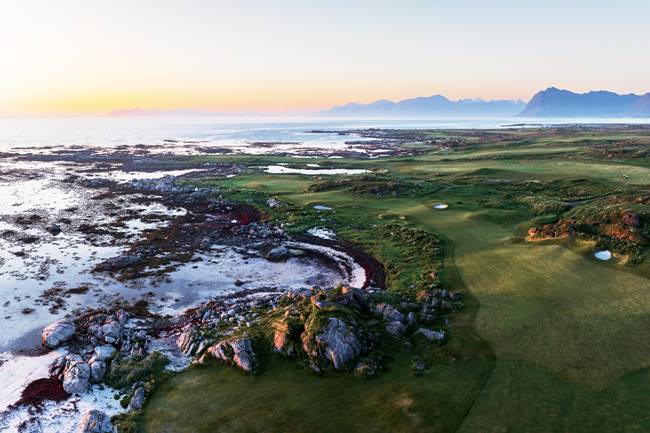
568,336
283,398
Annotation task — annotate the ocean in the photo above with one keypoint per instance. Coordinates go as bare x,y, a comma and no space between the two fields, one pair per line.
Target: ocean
118,131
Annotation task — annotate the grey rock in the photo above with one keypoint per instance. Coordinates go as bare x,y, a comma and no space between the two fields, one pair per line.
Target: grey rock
97,369
389,312
57,333
337,343
111,332
118,263
395,328
410,318
137,401
274,202
53,229
104,352
95,421
278,254
76,375
237,351
431,334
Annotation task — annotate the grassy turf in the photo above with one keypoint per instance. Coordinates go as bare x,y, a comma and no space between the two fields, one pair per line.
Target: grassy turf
569,334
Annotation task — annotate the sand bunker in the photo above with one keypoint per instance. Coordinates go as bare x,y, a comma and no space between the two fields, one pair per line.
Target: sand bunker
440,206
603,255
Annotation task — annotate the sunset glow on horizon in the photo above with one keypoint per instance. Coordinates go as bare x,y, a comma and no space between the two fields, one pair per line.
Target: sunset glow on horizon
92,57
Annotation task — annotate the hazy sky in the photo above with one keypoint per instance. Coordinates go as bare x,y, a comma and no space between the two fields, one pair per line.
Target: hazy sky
92,56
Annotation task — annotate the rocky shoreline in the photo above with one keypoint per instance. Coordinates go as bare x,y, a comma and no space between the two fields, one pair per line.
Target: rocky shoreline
102,360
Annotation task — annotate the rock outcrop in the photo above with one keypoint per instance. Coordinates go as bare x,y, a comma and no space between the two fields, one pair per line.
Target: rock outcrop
237,351
57,333
336,342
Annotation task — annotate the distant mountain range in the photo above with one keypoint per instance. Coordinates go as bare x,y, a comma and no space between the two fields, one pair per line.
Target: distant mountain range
551,102
430,106
554,102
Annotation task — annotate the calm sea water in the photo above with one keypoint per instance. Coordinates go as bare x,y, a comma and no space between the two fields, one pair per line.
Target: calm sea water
113,131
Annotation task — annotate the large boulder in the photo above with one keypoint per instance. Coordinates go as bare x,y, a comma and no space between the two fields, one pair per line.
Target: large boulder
137,401
76,375
237,351
57,333
336,342
95,421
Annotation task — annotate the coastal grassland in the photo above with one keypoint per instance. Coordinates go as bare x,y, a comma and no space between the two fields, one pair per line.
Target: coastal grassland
550,339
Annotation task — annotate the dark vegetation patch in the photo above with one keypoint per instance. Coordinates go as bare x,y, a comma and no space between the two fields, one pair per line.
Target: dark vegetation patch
42,390
124,372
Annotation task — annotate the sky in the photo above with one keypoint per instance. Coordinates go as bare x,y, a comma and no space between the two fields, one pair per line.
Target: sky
92,56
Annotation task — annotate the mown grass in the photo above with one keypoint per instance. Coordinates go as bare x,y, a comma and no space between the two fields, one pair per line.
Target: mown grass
568,336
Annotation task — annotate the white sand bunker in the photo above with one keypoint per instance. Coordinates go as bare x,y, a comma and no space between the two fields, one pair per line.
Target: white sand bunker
440,206
321,207
603,255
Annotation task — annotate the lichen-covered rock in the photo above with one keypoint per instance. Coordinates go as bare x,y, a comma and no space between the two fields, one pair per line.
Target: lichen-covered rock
237,351
57,333
76,375
95,421
336,342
